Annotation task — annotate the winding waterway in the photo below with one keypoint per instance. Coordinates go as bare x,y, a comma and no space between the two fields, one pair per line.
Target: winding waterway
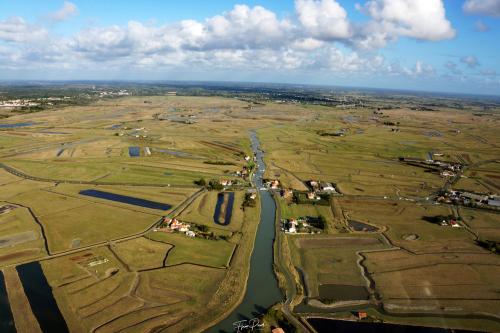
262,287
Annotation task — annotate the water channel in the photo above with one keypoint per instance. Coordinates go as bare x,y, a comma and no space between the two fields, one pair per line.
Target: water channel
6,318
262,286
41,299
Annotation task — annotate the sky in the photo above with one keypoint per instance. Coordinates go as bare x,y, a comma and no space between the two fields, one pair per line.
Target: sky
428,45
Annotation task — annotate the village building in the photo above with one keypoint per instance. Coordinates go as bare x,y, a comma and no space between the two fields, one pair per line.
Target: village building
275,184
226,182
447,173
326,187
314,185
362,315
287,193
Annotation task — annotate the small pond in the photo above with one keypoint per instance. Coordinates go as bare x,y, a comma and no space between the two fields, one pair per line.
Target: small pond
134,151
16,125
229,208
360,226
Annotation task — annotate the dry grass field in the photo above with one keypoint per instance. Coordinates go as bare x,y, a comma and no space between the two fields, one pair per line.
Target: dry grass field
112,273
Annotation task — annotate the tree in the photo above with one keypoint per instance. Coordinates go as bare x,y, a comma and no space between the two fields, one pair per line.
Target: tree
215,185
321,222
203,228
201,182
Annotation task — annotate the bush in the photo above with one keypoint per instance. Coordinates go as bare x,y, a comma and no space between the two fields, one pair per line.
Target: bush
215,185
201,182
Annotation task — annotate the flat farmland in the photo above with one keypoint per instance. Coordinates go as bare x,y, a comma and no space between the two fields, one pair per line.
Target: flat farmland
402,219
20,236
331,260
202,210
145,154
458,282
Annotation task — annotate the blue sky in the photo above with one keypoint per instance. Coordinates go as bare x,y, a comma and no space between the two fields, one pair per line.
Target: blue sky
436,45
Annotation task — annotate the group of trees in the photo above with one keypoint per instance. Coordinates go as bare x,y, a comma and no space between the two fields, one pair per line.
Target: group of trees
213,185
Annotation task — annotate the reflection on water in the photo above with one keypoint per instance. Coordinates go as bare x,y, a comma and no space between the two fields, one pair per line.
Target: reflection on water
262,287
41,299
6,319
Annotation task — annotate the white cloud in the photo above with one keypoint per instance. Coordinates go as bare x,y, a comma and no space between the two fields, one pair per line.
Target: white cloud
423,20
16,29
480,26
318,39
482,7
323,19
470,61
239,29
67,11
420,69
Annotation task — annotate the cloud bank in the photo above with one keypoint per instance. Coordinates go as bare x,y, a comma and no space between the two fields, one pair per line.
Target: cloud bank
318,36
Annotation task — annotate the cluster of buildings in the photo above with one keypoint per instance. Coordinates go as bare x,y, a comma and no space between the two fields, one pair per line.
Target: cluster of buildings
319,186
446,169
121,92
449,222
7,209
14,103
300,225
226,182
470,199
273,184
174,225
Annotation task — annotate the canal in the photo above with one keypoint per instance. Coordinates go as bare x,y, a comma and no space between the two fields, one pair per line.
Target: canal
41,299
262,287
6,318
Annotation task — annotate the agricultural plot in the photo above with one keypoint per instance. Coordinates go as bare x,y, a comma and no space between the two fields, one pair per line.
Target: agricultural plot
435,282
224,208
328,261
203,209
129,278
21,237
407,225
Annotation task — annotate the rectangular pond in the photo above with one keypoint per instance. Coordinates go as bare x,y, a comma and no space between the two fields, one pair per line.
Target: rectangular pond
41,299
6,319
16,125
125,199
134,151
229,207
